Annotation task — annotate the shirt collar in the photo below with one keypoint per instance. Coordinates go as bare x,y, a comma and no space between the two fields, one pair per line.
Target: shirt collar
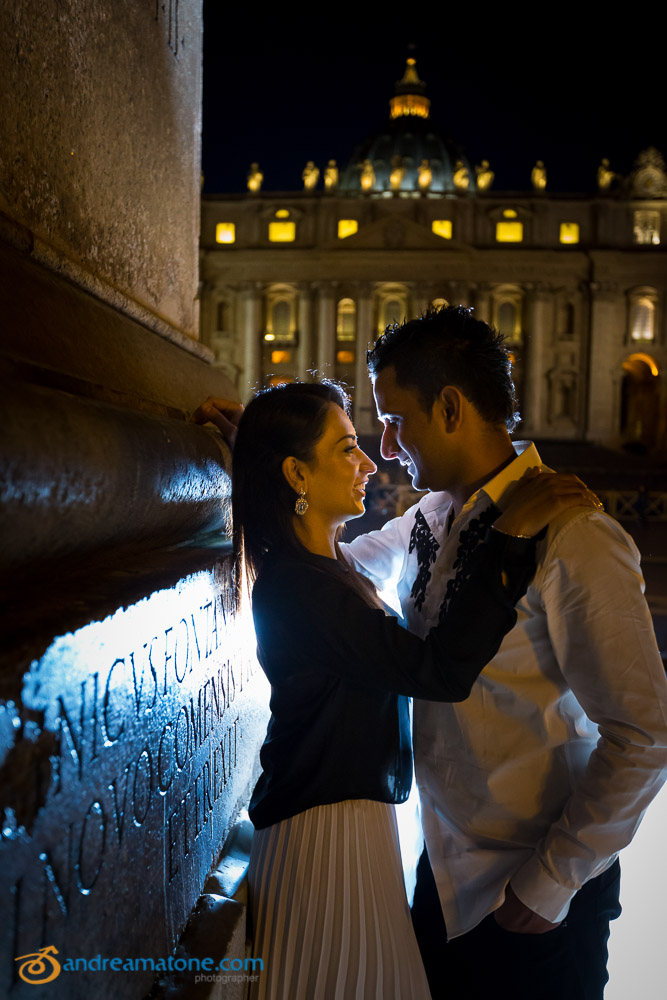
527,457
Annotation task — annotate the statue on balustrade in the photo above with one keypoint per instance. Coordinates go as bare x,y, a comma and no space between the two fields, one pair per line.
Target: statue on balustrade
484,176
425,176
461,176
331,176
605,175
255,178
367,175
538,176
310,176
397,173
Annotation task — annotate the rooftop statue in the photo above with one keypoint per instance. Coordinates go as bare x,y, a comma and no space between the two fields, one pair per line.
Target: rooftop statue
331,176
484,176
538,176
425,176
397,174
255,178
605,175
367,175
461,176
310,176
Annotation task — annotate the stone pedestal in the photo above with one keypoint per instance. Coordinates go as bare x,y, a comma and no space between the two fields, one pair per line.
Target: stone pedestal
131,707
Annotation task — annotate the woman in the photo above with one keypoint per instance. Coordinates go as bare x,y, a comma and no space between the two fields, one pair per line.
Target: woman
330,914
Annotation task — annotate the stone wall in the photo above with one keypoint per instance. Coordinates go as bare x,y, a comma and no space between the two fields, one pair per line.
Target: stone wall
131,706
100,156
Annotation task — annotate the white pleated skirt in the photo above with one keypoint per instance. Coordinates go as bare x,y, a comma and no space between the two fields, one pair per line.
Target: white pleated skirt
328,907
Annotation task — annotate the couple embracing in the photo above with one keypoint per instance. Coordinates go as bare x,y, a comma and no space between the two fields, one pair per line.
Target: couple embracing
540,699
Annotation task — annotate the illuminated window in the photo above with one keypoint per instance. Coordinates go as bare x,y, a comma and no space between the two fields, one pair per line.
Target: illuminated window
279,380
642,318
569,232
647,227
393,311
280,314
439,303
442,227
282,231
346,320
507,319
345,357
225,232
509,231
507,312
281,357
347,227
392,306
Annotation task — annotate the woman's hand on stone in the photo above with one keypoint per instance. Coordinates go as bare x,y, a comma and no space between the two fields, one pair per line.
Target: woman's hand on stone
541,496
225,414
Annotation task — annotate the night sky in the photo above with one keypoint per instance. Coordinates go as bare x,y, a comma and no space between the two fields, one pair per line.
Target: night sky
281,89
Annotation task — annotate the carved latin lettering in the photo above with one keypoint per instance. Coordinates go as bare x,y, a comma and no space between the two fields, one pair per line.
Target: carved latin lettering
173,868
119,811
141,813
196,638
206,783
91,847
111,737
187,652
167,655
162,787
182,714
195,718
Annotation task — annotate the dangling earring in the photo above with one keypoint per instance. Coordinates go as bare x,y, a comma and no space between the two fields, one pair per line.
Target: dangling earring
301,505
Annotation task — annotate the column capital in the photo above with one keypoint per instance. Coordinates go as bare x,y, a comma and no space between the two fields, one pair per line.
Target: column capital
250,288
538,290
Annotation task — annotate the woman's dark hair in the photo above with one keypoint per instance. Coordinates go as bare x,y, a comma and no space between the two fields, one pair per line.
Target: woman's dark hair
284,420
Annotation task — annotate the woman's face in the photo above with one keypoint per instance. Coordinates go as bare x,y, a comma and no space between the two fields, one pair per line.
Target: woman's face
337,476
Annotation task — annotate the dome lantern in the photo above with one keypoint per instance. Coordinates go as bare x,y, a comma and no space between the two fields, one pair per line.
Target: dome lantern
410,96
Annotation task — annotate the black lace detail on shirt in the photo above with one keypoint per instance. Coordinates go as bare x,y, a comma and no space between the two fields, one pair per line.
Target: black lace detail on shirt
469,539
426,545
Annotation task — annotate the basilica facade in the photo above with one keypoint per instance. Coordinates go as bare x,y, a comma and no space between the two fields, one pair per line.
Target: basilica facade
297,284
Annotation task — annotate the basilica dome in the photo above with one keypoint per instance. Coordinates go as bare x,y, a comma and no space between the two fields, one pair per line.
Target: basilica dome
408,154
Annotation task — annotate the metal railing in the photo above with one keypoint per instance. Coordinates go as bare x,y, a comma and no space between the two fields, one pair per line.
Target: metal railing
623,505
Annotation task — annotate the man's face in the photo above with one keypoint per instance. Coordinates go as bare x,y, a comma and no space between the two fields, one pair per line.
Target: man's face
411,435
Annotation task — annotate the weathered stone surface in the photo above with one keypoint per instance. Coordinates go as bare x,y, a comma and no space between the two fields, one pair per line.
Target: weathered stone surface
100,475
100,117
123,764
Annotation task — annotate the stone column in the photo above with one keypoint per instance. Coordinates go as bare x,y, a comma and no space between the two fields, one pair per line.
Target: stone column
539,309
364,407
482,302
252,355
326,330
306,360
605,338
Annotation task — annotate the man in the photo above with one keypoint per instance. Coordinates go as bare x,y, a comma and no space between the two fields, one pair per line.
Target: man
532,786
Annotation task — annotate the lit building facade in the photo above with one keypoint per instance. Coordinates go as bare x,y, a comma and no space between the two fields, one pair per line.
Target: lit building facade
302,281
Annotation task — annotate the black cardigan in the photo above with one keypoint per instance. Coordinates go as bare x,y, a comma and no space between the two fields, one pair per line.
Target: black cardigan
341,673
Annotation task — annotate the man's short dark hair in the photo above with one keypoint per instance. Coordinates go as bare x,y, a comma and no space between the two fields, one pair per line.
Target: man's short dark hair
448,346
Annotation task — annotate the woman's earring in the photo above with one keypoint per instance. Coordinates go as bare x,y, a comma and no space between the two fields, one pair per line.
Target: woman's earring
301,505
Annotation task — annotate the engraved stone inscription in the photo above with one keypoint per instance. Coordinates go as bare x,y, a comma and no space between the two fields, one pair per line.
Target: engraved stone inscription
131,753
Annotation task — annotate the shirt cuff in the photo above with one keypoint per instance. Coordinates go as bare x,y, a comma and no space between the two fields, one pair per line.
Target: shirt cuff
537,890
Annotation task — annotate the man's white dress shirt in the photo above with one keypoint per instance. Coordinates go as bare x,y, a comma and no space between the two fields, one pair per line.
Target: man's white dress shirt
543,775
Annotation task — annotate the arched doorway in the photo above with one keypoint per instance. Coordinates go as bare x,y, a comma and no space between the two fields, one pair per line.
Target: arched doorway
640,403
